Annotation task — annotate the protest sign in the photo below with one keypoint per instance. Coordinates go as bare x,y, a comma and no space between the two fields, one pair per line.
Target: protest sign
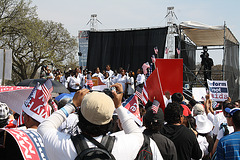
30,143
218,90
131,104
199,93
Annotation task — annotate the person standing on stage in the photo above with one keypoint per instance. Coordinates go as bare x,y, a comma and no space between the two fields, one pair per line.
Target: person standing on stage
206,63
140,78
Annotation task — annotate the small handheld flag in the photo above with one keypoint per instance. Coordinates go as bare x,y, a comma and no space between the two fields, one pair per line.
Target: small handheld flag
89,83
155,106
145,66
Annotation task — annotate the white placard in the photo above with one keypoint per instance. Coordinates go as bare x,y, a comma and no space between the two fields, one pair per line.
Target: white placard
199,93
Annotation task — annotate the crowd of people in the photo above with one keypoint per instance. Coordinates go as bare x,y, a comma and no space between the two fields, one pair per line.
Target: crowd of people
75,79
184,130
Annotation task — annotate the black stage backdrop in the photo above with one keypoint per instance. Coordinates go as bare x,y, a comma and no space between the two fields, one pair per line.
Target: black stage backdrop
127,49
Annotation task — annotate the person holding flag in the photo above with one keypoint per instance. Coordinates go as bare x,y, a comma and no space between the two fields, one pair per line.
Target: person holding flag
36,107
153,121
89,83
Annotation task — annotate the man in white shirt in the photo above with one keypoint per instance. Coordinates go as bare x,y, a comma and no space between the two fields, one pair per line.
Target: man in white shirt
96,110
108,69
98,73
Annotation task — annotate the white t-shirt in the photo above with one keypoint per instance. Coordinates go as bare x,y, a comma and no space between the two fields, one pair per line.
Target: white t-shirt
100,75
203,144
140,79
73,81
51,75
110,72
221,133
131,88
64,81
217,121
107,81
122,79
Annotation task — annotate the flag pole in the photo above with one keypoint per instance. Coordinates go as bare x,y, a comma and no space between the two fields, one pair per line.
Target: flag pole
159,82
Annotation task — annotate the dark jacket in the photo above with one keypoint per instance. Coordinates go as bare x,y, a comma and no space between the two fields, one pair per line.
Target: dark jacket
185,141
165,145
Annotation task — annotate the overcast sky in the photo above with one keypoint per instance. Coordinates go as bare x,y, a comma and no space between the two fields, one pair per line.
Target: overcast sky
118,14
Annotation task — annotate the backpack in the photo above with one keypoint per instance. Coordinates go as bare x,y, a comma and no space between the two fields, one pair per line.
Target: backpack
102,151
224,126
145,152
226,132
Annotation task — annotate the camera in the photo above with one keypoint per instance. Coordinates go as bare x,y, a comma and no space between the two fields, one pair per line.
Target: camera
108,91
203,55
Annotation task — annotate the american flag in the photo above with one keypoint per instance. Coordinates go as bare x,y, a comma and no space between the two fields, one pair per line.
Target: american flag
153,59
138,93
20,120
155,50
89,81
47,89
149,72
155,106
55,107
215,104
145,66
178,51
166,50
145,94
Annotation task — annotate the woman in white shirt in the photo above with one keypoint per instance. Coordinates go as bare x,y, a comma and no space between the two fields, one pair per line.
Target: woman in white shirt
74,82
107,80
122,78
130,83
140,78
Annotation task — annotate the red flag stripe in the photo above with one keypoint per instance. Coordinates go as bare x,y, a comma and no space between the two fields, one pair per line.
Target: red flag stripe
155,109
145,94
45,91
139,95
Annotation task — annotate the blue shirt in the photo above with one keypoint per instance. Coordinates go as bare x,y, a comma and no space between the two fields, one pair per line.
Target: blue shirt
229,147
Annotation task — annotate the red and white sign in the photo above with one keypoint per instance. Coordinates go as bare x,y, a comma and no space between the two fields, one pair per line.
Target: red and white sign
132,106
30,143
14,96
36,105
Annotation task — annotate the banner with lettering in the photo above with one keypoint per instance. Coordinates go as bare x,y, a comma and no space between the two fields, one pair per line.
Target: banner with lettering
218,90
14,96
36,105
30,143
131,104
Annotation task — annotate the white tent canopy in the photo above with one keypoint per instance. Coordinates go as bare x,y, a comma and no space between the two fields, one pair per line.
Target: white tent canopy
204,35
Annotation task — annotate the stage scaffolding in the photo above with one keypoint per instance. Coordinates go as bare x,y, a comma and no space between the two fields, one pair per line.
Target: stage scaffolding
194,35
